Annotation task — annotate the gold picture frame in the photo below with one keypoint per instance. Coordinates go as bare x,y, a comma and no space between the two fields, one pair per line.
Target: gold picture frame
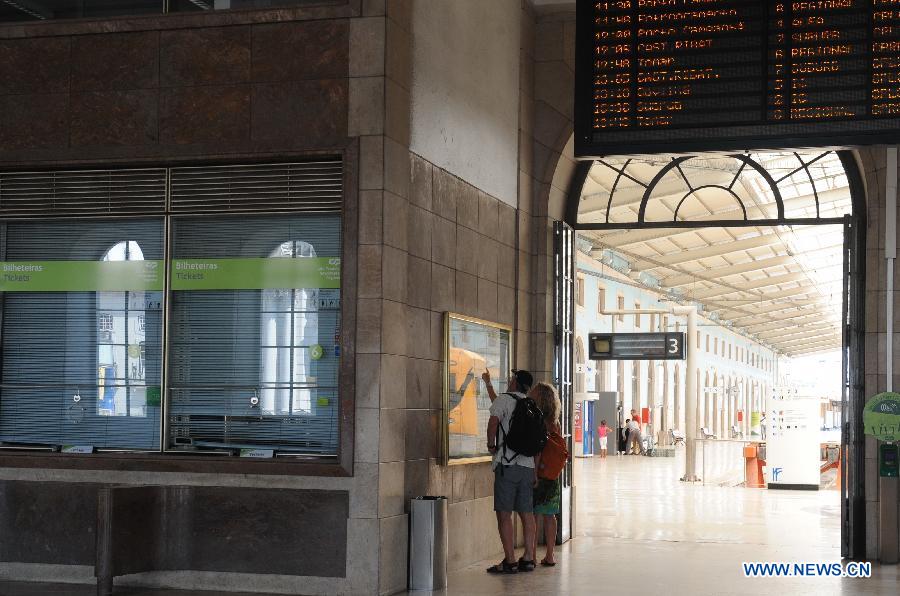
470,346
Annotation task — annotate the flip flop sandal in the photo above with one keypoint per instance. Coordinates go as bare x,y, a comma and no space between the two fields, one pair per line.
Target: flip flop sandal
546,563
526,565
503,567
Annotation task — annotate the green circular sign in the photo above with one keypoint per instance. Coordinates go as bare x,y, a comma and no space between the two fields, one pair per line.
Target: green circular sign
316,352
881,417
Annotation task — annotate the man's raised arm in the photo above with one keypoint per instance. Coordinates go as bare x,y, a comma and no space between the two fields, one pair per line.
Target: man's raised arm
486,377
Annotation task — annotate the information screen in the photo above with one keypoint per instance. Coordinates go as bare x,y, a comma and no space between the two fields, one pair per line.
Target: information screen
675,76
636,346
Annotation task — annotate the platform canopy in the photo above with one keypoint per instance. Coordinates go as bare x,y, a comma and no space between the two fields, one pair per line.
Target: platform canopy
779,284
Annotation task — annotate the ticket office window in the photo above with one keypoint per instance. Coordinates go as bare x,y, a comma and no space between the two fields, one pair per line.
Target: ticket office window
81,329
249,367
254,365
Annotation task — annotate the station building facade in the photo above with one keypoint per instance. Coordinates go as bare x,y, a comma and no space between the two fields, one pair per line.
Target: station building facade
359,133
735,372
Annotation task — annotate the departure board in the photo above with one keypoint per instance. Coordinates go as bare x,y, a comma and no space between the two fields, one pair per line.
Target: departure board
677,76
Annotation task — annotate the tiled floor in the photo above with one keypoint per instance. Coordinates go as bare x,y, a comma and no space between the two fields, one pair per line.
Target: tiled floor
641,531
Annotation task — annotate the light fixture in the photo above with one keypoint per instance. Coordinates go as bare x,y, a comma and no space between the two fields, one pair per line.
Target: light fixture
649,280
615,261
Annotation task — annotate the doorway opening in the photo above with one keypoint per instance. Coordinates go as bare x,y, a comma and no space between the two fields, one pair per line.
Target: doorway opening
768,248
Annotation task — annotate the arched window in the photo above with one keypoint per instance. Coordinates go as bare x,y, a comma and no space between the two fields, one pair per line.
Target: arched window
121,351
289,334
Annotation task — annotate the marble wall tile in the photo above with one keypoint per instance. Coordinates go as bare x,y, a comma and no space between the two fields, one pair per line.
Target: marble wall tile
421,182
299,51
300,115
29,122
18,58
207,56
116,61
109,118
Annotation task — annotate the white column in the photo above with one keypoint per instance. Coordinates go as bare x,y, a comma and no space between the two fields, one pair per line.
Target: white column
702,399
665,421
690,394
747,408
676,389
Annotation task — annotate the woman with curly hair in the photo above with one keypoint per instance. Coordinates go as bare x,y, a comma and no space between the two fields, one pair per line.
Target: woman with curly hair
547,492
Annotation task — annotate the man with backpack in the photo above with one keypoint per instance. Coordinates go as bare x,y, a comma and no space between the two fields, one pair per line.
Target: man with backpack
515,434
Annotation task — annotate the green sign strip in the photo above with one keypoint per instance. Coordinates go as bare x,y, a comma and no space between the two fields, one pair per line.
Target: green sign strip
80,276
256,273
187,274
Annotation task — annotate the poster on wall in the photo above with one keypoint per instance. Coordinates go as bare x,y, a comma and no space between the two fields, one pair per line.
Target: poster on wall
471,346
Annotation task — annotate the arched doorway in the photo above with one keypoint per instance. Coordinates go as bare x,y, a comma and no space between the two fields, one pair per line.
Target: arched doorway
658,198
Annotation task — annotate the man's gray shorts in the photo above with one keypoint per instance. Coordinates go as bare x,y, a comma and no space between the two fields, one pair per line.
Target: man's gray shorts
513,488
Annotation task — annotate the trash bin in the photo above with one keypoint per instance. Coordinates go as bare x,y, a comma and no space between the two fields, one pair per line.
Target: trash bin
428,543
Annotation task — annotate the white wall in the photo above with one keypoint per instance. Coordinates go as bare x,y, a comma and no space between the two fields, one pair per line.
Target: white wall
465,90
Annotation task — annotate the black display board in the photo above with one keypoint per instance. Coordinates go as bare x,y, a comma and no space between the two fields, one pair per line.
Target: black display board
680,76
636,346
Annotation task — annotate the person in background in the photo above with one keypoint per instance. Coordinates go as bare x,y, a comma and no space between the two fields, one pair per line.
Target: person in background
547,492
602,431
634,446
625,431
636,417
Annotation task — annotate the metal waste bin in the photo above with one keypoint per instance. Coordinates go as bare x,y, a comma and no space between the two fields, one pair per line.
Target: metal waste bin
428,543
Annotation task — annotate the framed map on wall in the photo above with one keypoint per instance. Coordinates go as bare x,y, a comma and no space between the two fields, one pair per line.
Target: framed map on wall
471,346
